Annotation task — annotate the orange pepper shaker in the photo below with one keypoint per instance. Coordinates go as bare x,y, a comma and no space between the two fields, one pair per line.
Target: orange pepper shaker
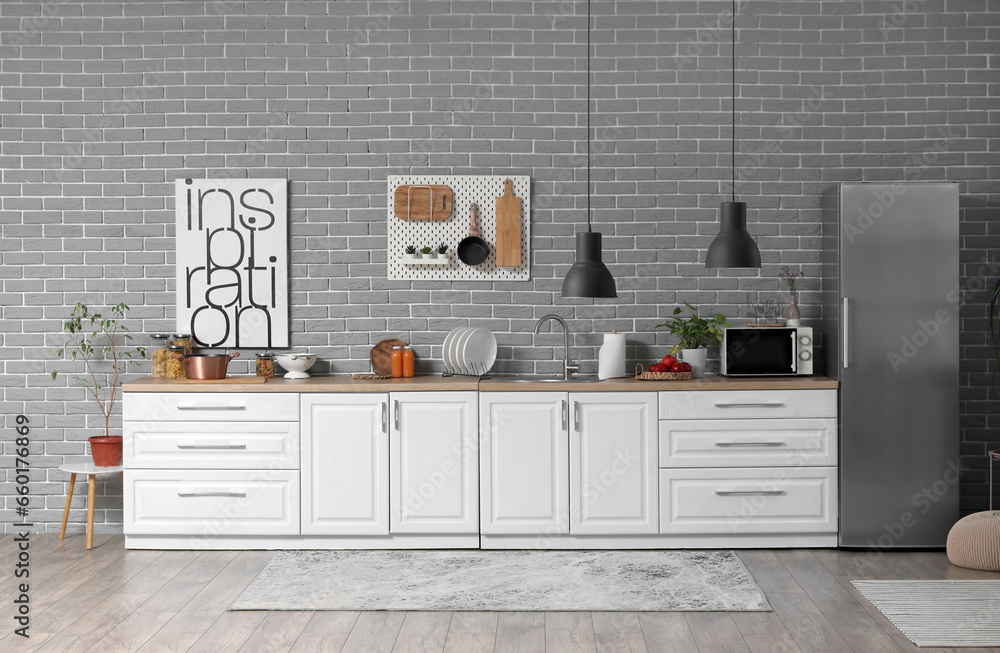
407,362
397,362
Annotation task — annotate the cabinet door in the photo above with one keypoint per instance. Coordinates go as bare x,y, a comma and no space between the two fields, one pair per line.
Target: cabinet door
524,462
345,464
613,463
434,463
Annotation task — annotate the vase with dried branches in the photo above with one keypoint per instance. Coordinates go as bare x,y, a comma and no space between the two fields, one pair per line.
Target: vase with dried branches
792,278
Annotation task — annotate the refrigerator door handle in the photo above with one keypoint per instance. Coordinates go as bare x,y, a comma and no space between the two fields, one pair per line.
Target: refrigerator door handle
846,326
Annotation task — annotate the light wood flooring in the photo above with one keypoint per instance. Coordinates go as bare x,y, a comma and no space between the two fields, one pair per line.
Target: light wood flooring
111,600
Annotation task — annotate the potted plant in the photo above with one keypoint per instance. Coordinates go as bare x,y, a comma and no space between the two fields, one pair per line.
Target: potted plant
427,252
792,279
442,251
410,252
103,345
694,334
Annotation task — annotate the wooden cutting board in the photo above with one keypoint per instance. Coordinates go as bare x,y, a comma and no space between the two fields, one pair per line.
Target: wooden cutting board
381,356
508,227
420,202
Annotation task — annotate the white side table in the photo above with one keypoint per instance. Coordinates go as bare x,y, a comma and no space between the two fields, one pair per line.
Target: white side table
91,470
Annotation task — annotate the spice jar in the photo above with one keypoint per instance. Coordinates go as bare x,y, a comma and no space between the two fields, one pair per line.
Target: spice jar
183,339
175,361
159,354
397,362
265,365
407,363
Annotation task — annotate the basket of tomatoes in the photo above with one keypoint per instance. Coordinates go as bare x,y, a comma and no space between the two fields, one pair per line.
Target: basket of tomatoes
669,369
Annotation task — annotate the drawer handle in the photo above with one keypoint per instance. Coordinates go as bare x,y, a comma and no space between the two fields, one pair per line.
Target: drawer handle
760,404
748,493
181,445
749,444
182,407
239,495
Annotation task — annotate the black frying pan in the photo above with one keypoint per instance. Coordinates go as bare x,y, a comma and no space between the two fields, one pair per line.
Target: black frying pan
473,250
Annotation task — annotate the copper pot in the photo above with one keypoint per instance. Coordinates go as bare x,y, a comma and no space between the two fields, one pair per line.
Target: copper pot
207,366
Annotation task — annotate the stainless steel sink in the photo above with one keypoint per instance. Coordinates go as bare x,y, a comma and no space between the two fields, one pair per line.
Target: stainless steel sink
537,378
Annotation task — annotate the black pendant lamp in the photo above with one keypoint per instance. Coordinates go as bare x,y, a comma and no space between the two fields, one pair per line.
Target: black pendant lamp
733,247
588,277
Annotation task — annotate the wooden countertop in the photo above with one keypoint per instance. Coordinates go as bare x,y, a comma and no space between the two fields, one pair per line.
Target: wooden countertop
501,384
632,385
313,384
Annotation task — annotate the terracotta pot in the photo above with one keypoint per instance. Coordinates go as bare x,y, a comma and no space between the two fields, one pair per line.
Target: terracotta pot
207,366
106,450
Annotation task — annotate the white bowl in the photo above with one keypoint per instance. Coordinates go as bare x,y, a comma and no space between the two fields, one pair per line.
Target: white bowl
296,363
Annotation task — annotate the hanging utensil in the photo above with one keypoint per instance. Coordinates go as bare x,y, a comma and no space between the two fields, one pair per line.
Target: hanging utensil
473,250
508,228
423,202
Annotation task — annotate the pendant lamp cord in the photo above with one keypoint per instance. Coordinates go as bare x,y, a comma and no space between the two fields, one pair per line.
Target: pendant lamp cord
588,117
734,101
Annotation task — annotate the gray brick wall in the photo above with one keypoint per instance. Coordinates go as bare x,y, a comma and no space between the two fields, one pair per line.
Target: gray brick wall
103,104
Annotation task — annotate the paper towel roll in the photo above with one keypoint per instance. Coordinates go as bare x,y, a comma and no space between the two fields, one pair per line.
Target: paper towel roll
611,358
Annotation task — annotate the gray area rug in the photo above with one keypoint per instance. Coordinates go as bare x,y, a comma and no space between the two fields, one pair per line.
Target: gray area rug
504,581
939,613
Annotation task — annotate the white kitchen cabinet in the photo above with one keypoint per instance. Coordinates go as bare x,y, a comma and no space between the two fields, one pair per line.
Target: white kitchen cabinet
613,463
434,462
345,464
524,462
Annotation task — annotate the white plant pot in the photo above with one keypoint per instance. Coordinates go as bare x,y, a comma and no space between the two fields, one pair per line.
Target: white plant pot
410,257
696,358
440,256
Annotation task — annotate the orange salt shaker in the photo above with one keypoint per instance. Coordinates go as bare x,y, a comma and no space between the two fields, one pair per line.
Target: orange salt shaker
397,362
407,362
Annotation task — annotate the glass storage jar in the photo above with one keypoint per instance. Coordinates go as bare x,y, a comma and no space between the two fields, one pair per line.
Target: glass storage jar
159,356
183,339
408,367
265,365
175,361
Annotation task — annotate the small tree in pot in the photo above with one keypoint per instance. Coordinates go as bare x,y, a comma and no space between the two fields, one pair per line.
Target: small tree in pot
101,343
695,334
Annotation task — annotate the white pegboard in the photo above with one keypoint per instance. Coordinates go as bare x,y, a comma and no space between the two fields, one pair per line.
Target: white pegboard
481,190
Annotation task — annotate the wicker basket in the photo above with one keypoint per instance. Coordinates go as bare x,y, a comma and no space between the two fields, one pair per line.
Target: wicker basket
641,375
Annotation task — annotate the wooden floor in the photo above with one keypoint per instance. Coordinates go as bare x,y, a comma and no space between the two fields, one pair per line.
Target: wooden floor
111,600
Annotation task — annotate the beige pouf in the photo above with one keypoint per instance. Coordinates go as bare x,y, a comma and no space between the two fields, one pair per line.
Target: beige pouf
974,541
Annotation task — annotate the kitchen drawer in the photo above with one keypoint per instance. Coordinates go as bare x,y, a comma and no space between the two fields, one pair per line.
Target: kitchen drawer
748,442
211,445
742,404
211,502
212,406
759,500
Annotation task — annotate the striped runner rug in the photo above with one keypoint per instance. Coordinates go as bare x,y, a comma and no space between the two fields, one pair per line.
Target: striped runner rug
941,613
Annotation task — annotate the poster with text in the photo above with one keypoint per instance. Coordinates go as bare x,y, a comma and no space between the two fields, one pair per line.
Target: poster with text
232,261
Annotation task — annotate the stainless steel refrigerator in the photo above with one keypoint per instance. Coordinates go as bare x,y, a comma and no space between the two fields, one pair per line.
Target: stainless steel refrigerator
890,336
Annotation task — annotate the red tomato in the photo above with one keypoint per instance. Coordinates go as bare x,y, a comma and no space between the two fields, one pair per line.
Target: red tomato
658,367
680,367
669,360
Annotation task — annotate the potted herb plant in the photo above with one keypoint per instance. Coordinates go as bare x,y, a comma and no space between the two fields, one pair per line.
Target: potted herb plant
442,251
410,252
695,334
103,345
427,252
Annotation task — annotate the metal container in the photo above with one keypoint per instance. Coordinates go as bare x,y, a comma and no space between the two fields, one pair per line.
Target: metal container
207,366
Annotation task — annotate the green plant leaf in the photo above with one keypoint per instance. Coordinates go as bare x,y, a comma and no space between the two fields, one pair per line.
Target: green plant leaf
53,375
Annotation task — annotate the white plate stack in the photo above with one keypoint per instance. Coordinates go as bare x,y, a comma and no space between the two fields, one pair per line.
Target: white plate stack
469,350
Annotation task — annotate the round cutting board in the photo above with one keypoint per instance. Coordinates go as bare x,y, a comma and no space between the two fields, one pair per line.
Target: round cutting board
381,356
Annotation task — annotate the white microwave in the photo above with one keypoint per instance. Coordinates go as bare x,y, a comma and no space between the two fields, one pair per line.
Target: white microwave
767,351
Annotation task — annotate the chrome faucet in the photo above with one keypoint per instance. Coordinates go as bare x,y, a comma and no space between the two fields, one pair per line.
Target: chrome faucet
568,366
